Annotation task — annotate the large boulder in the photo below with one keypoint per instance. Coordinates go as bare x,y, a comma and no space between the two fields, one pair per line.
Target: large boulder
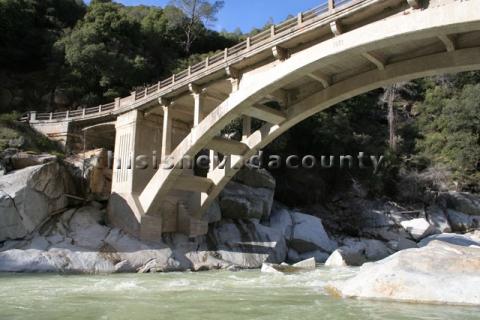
87,229
73,260
92,168
255,178
23,160
456,239
356,252
308,234
238,201
418,228
29,196
246,244
461,201
137,256
437,217
214,213
461,222
437,273
345,256
305,265
304,234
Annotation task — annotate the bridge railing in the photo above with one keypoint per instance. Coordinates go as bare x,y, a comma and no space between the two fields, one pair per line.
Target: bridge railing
256,41
70,114
290,25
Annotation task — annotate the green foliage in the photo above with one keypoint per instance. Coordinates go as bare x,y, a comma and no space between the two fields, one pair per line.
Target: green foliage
450,125
104,53
11,129
58,54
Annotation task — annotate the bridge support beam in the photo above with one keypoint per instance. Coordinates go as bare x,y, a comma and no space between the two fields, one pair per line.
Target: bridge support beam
198,104
166,133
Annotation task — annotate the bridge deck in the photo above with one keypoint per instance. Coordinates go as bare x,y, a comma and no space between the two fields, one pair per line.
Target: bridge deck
288,34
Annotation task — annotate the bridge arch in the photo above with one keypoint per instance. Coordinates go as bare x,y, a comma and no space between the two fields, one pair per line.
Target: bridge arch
440,21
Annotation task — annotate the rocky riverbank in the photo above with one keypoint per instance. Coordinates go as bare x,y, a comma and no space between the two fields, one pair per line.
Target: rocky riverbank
53,219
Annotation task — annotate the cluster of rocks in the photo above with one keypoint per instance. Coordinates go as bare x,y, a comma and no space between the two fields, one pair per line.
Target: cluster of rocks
369,230
12,159
38,231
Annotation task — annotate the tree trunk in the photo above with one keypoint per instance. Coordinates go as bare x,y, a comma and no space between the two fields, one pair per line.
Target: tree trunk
391,94
189,28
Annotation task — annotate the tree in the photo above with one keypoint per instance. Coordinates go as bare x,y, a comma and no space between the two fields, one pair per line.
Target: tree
105,54
449,121
394,95
31,67
196,15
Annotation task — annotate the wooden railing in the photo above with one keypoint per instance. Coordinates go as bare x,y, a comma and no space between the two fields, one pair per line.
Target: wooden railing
290,26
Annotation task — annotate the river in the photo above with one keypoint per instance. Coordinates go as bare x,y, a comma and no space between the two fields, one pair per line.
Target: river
206,296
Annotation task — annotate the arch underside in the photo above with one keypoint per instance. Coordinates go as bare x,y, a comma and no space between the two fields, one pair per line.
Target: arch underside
434,41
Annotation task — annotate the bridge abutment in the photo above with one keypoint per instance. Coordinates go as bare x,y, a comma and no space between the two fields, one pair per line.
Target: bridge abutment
142,147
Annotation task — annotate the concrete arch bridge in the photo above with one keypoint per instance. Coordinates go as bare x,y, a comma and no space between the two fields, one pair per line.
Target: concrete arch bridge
302,66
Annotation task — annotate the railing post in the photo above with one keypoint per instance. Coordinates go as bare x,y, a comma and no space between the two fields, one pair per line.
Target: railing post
83,112
207,62
134,95
33,115
99,108
300,18
146,91
173,78
331,5
189,70
50,116
272,31
249,42
67,114
225,54
159,85
117,103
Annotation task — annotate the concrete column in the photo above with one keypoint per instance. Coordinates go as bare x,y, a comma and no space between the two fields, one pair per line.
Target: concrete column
198,104
234,77
166,133
247,127
197,109
213,159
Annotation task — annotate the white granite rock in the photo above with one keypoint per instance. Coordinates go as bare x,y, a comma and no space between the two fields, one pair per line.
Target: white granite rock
437,273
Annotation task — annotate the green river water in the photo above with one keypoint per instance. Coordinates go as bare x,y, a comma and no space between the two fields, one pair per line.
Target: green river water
206,295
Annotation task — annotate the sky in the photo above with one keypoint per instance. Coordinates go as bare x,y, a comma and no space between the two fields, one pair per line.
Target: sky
246,14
